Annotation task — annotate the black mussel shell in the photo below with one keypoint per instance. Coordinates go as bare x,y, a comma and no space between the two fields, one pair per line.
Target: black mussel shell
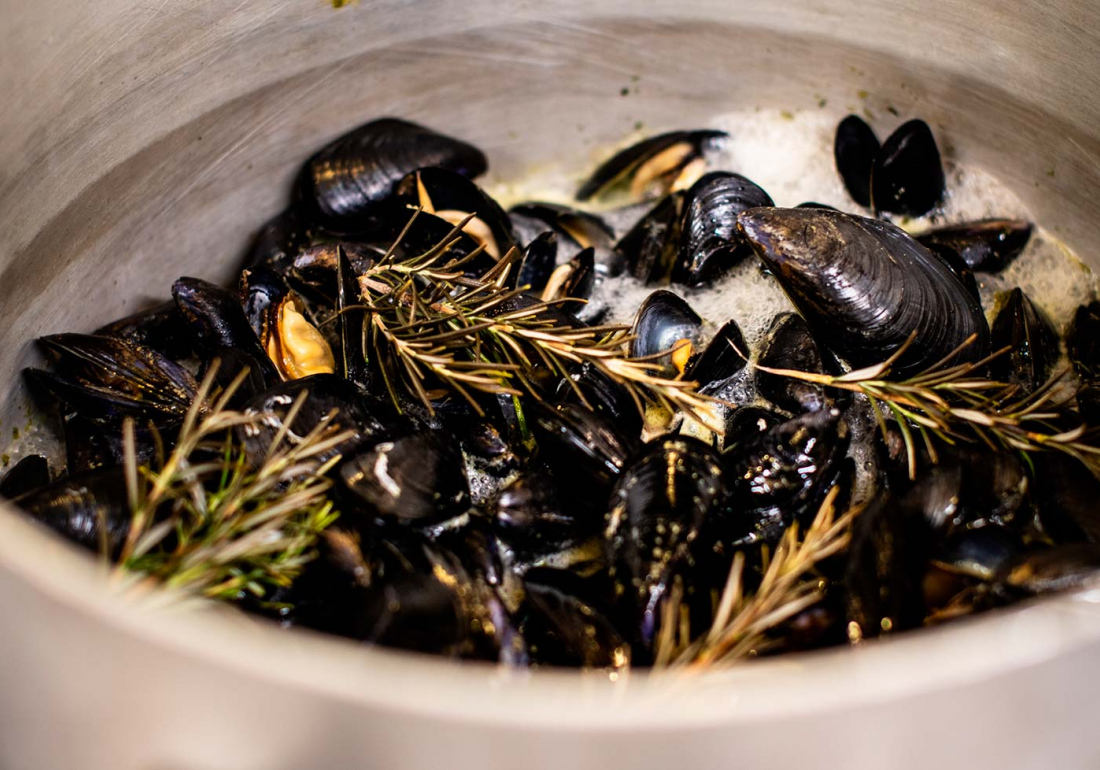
79,506
32,472
887,560
452,197
488,450
417,479
427,232
710,243
574,280
352,361
907,177
865,286
659,157
656,511
580,445
314,270
1054,569
721,360
537,263
982,553
603,394
1032,342
531,517
279,241
789,345
746,423
816,205
665,323
566,625
90,444
988,246
1066,494
217,320
651,247
855,150
108,379
348,181
329,398
579,228
1083,340
979,488
161,328
262,290
1088,403
781,475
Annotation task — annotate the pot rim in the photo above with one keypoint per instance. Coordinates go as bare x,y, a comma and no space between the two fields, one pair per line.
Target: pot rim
933,660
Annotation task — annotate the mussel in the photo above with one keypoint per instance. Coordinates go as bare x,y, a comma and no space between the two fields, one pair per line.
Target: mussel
566,625
108,379
91,509
865,287
1083,340
780,475
667,331
1032,342
854,151
657,509
721,360
710,242
582,445
662,163
278,316
789,345
350,179
417,479
651,247
160,328
907,177
987,246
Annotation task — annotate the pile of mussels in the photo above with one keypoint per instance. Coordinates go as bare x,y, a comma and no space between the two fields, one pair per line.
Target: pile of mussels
458,536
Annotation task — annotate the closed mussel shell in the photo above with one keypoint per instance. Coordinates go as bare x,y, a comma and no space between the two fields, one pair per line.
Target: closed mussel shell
789,345
1032,342
907,177
987,246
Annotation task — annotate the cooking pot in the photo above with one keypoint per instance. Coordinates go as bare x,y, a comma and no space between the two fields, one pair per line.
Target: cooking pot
140,141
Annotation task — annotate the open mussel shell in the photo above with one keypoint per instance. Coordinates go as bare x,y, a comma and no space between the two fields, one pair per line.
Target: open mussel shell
537,263
160,327
662,163
1083,340
575,230
573,280
746,423
217,320
453,197
780,475
427,233
284,325
108,379
603,394
347,181
567,625
418,479
721,360
651,247
1032,342
91,509
865,287
31,472
666,324
854,150
656,511
987,246
907,177
581,445
710,243
789,345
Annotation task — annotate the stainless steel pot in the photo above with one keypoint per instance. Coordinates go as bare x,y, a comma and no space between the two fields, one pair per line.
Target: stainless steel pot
142,141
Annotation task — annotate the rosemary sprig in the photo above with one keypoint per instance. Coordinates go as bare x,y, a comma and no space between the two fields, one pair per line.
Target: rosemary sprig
208,523
431,324
741,622
956,403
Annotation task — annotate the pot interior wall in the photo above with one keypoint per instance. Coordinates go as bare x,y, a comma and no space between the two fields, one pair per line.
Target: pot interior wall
187,199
